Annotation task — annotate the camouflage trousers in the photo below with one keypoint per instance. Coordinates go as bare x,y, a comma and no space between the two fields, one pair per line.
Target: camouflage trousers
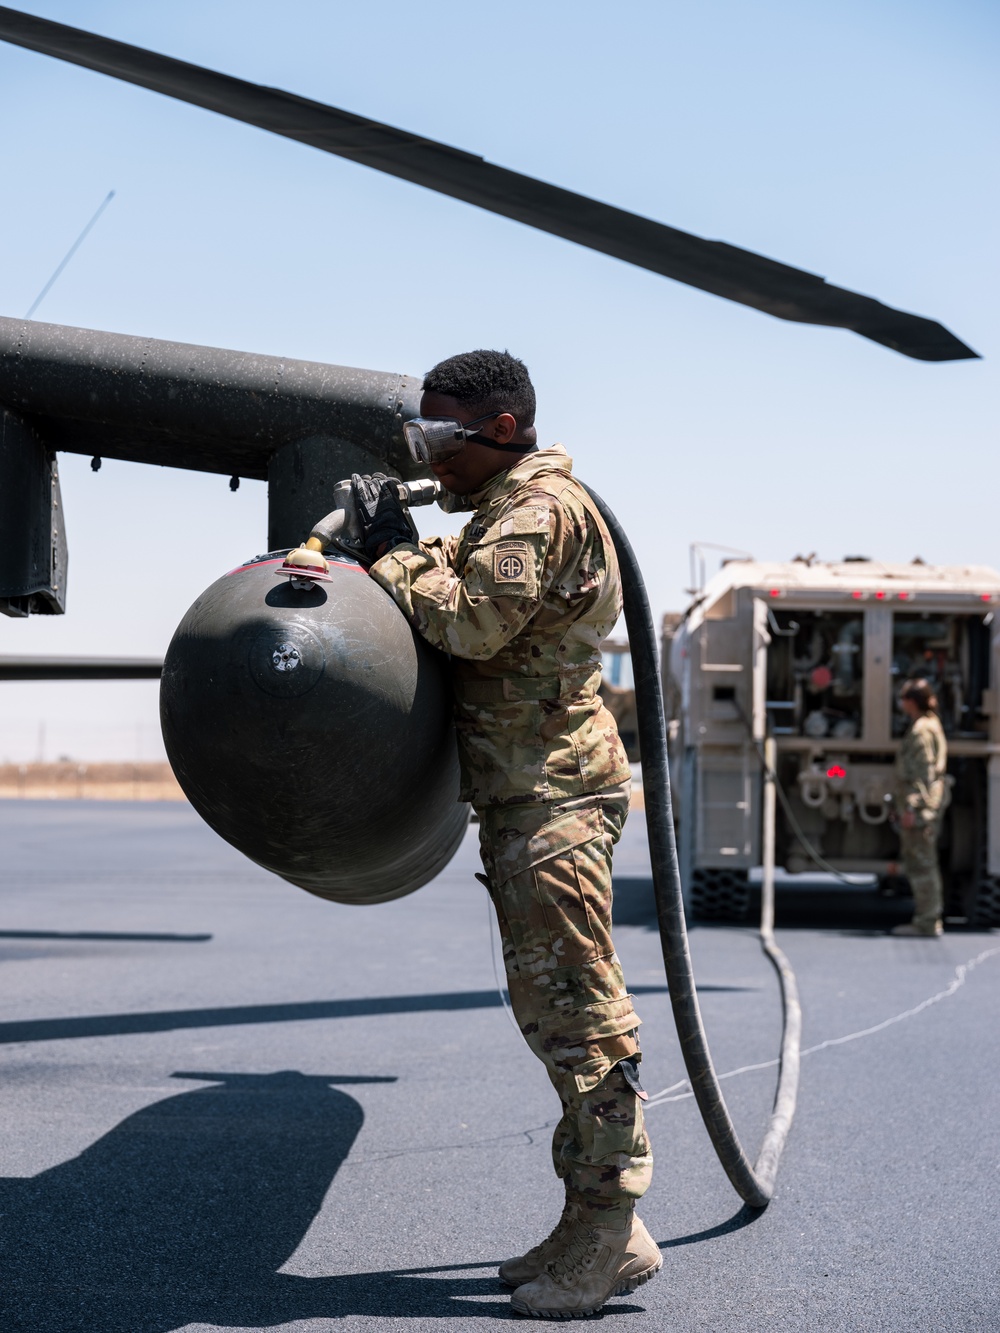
548,867
918,850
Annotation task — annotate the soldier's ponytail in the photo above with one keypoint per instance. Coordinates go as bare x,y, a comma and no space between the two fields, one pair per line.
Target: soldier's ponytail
921,693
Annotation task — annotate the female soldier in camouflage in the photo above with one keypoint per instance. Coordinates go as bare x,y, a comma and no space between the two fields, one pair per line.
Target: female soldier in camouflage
920,797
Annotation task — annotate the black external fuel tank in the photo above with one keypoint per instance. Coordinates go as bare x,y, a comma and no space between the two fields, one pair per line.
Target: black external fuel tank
312,730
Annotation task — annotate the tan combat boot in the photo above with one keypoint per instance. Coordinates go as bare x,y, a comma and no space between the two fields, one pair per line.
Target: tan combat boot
515,1272
598,1262
913,931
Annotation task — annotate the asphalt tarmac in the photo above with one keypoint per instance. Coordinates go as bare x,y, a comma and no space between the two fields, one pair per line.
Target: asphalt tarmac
229,1105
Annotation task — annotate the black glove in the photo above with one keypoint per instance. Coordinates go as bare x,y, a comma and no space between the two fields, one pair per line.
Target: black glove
384,523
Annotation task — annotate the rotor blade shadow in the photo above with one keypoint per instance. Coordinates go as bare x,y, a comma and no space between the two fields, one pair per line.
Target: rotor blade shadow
173,1020
133,936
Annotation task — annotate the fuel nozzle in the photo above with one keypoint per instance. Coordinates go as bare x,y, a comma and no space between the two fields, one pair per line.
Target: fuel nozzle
341,528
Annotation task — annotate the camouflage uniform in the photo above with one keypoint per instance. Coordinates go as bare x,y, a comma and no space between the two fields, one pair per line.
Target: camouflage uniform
920,787
521,602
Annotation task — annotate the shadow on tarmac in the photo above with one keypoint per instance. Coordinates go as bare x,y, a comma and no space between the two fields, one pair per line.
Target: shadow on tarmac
173,1020
818,907
158,937
185,1211
740,1219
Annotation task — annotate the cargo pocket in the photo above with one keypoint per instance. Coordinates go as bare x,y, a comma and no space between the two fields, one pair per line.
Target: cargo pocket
519,841
579,1038
614,1122
556,881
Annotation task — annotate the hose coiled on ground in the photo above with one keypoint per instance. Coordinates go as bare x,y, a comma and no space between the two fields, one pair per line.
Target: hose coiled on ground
754,1184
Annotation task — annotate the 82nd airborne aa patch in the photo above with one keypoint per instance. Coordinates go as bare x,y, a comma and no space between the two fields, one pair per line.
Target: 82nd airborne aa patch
510,562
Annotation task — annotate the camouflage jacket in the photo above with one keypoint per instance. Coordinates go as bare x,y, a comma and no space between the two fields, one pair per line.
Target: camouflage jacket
921,762
521,601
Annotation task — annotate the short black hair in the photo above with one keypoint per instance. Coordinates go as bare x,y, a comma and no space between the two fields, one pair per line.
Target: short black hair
486,381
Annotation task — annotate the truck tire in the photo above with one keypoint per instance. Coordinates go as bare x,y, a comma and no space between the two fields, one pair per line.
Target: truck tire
718,894
961,854
984,908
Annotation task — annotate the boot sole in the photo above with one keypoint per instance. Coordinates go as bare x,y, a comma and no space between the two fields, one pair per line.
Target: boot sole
623,1289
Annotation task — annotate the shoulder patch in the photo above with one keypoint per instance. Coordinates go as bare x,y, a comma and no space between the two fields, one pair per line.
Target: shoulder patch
510,562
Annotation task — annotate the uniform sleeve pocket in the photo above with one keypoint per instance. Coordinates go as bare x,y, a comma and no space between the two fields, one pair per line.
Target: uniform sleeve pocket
504,569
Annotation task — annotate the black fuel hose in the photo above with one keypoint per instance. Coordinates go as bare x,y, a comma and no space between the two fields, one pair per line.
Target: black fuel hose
754,1184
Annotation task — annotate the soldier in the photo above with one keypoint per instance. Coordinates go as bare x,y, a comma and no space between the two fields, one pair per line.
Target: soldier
521,601
920,797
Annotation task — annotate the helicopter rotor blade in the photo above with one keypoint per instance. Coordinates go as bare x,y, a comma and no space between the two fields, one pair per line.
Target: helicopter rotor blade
713,266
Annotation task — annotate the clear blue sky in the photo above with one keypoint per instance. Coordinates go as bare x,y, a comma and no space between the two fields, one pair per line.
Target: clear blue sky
856,140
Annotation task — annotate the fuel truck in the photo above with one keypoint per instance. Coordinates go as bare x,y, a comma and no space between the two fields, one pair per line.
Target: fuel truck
814,654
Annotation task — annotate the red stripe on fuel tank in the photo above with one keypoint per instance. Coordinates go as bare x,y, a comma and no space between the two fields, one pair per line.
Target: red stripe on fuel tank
258,564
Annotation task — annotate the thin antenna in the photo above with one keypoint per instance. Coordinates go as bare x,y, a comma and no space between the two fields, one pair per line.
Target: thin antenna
69,255
696,561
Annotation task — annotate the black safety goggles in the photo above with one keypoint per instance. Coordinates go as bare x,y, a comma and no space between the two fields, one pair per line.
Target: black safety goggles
436,439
